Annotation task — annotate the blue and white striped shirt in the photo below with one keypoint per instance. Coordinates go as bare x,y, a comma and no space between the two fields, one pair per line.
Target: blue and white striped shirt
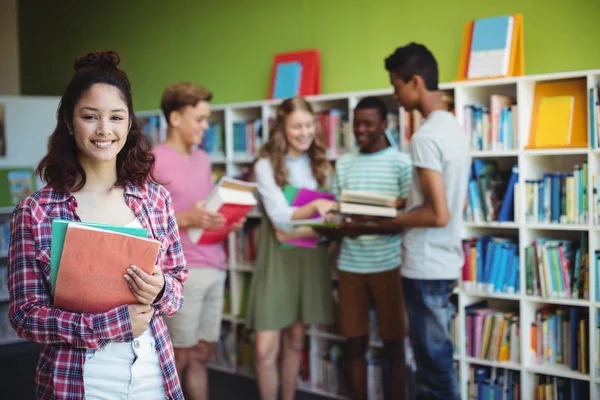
387,172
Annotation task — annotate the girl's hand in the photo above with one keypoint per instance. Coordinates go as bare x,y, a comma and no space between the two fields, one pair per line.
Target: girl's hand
323,206
140,316
144,287
302,232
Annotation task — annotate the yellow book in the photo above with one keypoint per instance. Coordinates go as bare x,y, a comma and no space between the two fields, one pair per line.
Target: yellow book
555,120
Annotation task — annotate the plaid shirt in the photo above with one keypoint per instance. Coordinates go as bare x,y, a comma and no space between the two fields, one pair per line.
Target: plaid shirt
64,336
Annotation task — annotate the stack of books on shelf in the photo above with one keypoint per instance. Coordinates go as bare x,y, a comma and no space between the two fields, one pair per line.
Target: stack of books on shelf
557,268
494,383
491,193
493,127
213,141
560,197
247,137
491,334
594,115
552,387
337,135
559,337
153,128
491,265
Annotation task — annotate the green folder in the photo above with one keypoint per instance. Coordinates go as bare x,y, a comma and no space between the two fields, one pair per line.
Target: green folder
59,230
290,192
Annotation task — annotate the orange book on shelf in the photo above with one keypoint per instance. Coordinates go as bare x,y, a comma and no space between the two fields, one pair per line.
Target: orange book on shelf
516,65
542,124
92,268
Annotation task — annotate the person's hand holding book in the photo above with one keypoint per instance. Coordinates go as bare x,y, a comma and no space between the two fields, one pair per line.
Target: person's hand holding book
200,217
324,206
238,225
146,288
140,316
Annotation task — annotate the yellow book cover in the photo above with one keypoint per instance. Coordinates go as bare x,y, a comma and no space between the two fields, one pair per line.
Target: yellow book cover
555,121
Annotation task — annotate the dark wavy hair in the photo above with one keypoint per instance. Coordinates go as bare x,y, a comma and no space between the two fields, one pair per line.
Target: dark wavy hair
60,167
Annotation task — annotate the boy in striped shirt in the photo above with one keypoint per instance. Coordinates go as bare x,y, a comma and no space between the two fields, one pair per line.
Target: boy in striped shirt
369,264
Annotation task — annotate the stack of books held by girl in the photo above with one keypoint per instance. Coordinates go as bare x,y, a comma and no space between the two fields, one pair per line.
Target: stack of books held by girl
88,262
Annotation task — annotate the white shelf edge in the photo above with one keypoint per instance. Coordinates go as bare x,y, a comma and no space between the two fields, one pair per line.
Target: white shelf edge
491,224
494,154
496,364
556,152
558,301
557,227
557,370
495,295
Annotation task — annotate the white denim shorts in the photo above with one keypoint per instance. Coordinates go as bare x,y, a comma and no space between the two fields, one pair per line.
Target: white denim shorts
128,371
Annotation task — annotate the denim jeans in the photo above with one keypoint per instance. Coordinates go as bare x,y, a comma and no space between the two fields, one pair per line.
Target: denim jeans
430,314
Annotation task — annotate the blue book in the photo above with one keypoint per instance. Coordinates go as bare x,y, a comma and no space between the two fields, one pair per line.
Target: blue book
287,80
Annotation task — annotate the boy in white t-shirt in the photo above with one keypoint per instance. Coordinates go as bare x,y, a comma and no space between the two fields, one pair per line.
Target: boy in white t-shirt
432,255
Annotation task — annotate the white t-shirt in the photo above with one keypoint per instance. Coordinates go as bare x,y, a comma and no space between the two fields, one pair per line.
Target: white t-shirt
439,145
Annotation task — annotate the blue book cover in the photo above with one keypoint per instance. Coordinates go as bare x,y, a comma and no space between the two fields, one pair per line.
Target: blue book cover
287,80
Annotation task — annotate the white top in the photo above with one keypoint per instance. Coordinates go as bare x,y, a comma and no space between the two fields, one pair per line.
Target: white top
274,203
439,145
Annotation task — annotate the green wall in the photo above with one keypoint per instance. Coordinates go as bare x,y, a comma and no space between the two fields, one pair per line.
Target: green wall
228,45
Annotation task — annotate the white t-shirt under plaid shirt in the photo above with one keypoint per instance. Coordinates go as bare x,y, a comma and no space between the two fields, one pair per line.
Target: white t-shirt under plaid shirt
387,172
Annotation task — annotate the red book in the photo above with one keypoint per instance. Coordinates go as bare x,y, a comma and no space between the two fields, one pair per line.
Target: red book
231,198
93,263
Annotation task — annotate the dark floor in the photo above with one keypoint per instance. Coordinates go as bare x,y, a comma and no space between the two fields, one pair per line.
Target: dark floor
17,378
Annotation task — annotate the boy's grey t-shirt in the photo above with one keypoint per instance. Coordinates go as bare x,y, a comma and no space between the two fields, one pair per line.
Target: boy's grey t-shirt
439,145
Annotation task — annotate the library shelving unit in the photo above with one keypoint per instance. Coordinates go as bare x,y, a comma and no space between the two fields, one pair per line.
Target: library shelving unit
532,164
7,333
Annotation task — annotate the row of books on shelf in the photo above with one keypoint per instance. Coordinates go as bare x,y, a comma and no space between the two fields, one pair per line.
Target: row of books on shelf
594,112
493,127
557,268
559,197
320,366
488,383
490,334
491,193
7,332
3,282
559,336
491,265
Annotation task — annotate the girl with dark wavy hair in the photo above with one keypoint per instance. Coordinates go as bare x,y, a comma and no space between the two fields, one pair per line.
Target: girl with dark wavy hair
98,169
291,288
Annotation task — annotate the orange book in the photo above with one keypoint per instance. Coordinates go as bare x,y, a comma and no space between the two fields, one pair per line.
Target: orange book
575,115
92,268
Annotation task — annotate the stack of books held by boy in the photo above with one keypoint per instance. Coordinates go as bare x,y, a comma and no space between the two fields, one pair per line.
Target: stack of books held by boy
356,203
233,199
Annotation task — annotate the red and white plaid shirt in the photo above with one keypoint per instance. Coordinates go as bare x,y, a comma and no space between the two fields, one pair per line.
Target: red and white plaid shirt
64,336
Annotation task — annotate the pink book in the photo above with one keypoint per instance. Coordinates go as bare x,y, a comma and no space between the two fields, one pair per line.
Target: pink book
304,197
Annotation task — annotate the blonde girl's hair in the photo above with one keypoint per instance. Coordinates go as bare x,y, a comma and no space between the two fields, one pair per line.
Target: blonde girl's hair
276,147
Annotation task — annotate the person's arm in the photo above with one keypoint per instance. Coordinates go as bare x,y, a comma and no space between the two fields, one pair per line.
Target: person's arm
276,206
434,212
300,233
30,310
174,268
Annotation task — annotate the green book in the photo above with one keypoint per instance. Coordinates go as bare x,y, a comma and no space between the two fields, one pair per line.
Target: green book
59,230
290,193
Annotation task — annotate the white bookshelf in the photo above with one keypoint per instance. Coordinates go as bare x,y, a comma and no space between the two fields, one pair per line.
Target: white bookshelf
531,163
